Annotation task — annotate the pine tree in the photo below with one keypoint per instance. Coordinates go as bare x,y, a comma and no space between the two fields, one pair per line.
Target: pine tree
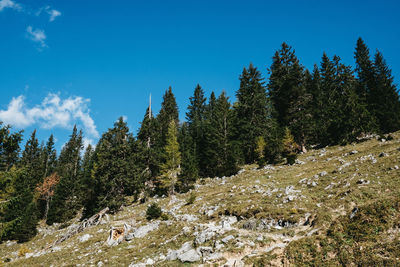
111,172
150,148
251,112
88,190
19,214
288,94
384,97
189,168
168,112
31,160
209,154
171,168
9,147
49,157
195,117
66,202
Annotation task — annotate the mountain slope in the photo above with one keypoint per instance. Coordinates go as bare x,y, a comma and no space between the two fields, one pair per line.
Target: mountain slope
338,205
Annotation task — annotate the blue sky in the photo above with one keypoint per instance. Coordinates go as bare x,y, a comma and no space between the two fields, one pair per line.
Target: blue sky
89,62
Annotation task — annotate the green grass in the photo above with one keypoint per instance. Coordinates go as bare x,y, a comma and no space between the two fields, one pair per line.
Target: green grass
371,237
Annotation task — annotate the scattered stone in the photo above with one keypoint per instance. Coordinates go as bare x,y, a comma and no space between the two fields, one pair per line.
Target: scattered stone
396,167
100,264
353,213
383,154
353,152
84,238
322,174
144,230
227,239
362,182
189,256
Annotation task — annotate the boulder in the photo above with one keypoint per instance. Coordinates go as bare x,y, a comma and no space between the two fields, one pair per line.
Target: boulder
189,256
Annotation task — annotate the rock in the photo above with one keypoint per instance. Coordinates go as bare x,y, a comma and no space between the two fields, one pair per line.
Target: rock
149,262
100,264
187,217
227,239
84,238
383,154
116,236
322,174
129,237
260,238
396,167
228,221
137,265
362,182
213,256
171,255
205,251
353,213
144,230
353,152
189,256
234,263
186,230
218,245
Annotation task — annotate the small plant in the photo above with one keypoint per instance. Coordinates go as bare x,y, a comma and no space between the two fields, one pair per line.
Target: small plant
23,250
153,212
289,147
191,199
164,217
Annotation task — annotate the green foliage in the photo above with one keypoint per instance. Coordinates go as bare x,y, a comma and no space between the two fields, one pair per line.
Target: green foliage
250,112
171,168
18,216
66,202
189,169
191,198
290,147
153,212
168,112
260,150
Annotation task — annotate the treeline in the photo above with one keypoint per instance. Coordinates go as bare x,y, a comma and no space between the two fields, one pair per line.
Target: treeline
270,122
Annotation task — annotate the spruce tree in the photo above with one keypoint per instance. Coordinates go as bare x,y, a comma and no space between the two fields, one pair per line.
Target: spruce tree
288,94
171,168
250,112
9,147
168,112
189,168
66,202
195,117
49,157
149,144
111,168
31,160
19,215
384,97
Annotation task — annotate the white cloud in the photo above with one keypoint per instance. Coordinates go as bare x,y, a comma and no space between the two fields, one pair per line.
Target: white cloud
53,14
37,35
9,4
51,113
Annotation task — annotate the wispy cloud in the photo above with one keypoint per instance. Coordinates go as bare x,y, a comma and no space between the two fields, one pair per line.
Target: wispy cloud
53,14
53,112
9,4
37,35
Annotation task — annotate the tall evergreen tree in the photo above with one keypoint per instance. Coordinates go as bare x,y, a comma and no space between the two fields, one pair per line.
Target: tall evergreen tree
250,112
195,117
384,97
9,147
19,215
288,93
66,200
151,150
31,160
189,168
168,112
112,173
88,190
171,168
49,157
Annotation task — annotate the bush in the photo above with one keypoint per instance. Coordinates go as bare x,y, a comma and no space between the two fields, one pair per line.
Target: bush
153,212
191,199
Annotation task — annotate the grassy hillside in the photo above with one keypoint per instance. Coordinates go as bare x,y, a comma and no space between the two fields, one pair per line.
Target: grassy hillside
338,205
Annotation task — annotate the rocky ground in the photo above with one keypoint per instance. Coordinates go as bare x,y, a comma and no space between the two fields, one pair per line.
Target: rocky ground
337,205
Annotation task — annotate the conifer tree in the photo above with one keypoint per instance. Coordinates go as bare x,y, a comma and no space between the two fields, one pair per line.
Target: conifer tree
66,200
49,157
250,112
112,173
151,150
171,168
9,147
19,214
31,160
88,186
168,112
207,160
189,168
288,94
384,97
195,117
